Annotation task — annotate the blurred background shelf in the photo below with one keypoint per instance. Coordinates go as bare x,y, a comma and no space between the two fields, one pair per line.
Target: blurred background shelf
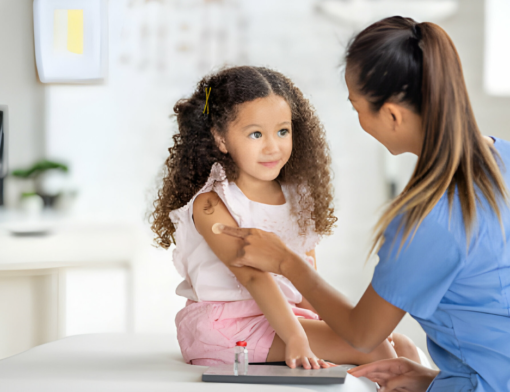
75,279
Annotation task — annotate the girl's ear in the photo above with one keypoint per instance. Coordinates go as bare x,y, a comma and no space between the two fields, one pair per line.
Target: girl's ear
220,141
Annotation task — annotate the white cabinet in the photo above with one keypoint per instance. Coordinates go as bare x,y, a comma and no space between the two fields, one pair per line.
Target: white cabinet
75,280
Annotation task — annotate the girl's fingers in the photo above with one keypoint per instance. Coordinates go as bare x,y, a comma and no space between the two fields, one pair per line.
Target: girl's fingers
305,363
314,362
309,363
291,363
323,364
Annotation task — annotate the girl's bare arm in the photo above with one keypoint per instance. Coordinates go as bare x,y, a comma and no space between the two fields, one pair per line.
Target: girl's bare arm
209,209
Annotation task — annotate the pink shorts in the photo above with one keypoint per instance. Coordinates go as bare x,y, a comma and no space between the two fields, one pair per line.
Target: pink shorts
208,331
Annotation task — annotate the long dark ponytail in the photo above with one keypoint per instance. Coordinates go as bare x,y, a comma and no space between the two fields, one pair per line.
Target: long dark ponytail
417,64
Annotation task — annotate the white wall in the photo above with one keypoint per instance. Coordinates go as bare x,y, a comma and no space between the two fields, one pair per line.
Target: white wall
467,30
497,55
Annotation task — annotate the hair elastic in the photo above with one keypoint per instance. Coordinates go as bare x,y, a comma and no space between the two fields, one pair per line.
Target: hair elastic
417,31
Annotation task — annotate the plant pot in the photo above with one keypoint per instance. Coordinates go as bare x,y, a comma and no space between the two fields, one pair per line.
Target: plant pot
48,200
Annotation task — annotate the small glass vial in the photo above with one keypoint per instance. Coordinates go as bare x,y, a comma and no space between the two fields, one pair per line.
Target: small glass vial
240,358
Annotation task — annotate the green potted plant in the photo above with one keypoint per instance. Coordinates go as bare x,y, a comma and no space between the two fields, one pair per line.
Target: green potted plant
36,173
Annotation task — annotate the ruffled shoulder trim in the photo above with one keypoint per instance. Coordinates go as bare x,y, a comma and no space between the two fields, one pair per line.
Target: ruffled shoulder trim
311,239
217,175
218,183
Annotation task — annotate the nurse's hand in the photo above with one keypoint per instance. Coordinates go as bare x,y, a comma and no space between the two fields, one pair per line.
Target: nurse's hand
259,249
399,374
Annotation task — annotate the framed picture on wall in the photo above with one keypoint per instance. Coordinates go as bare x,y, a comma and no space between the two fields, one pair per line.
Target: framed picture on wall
71,40
3,150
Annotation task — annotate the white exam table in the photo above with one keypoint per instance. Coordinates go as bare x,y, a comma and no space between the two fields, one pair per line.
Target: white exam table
125,363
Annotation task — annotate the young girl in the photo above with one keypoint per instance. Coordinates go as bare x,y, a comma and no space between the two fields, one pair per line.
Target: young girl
250,152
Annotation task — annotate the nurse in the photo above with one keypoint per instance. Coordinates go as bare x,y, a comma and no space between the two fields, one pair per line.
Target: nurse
443,243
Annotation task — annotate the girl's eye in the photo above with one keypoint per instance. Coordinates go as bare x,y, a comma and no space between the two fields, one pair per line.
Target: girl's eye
256,135
283,132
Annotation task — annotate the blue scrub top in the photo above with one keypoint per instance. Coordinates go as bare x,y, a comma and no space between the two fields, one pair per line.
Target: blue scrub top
460,296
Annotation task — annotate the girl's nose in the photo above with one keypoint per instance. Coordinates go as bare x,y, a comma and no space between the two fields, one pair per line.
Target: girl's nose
271,145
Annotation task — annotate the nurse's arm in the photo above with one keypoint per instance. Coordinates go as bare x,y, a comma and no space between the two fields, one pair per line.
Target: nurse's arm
364,326
305,304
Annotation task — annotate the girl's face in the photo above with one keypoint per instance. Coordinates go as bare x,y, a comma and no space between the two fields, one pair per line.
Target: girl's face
260,138
394,126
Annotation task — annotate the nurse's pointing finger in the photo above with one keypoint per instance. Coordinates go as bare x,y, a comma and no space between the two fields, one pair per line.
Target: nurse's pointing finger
238,232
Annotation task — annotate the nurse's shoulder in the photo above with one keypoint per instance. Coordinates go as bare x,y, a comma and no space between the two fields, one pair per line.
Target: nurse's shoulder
440,218
503,149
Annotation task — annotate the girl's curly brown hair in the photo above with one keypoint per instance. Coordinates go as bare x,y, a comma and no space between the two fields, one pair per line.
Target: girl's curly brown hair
194,151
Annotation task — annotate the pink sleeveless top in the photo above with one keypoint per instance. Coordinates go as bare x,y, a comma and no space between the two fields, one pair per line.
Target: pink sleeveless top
206,278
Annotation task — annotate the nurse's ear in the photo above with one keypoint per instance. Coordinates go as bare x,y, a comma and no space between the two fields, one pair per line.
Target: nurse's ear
392,114
405,128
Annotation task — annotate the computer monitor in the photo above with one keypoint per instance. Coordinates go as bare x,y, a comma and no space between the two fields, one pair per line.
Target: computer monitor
3,155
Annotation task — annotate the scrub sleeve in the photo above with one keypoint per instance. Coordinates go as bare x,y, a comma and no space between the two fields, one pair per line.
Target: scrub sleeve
416,277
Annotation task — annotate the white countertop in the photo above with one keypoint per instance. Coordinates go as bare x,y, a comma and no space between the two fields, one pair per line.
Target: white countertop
64,243
127,363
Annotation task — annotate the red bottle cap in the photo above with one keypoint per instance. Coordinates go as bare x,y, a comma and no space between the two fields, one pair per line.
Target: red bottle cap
241,343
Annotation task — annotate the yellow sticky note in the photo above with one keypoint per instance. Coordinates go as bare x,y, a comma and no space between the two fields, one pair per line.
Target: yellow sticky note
75,31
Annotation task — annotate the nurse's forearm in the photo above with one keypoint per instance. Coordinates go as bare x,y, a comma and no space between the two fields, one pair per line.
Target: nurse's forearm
354,324
332,306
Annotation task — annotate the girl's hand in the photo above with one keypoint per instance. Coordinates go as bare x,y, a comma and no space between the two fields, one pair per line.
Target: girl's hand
260,249
399,374
298,353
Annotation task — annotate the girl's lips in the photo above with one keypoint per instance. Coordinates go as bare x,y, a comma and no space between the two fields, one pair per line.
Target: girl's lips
269,164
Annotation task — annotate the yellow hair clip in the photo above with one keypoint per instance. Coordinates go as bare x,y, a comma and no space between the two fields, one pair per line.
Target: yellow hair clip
207,93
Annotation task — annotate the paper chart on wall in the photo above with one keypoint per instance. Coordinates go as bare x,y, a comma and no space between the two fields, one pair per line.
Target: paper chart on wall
70,39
